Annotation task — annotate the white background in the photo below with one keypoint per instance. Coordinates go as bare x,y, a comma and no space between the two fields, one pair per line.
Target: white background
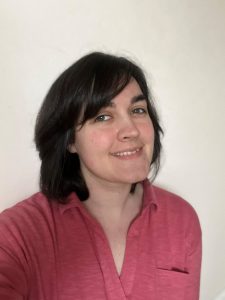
180,44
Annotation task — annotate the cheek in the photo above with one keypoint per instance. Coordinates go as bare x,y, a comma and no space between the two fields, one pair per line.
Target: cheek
147,132
99,141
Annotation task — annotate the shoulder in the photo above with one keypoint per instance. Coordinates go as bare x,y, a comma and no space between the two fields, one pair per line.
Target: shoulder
35,202
171,203
178,215
26,214
173,213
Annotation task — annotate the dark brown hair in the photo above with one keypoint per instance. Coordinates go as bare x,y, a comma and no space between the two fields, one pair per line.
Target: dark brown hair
81,91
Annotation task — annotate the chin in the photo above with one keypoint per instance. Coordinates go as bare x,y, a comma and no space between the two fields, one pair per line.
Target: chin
136,178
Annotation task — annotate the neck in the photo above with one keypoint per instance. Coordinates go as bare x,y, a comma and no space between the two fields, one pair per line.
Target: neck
112,200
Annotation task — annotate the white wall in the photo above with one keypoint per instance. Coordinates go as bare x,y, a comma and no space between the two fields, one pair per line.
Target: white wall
180,43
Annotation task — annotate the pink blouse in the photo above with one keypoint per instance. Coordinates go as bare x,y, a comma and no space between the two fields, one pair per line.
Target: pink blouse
51,251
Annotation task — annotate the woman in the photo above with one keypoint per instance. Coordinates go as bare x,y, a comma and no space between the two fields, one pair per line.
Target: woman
99,229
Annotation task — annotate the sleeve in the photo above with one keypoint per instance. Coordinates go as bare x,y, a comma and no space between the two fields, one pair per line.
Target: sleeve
13,265
194,257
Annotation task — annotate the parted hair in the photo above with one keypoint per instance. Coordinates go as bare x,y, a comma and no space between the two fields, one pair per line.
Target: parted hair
76,96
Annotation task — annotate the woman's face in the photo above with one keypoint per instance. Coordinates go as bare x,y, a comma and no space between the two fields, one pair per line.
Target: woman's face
117,145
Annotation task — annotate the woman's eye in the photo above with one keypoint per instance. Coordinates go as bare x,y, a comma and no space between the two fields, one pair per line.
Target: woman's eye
102,118
139,110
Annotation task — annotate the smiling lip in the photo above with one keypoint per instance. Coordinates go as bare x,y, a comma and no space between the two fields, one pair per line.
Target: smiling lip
127,153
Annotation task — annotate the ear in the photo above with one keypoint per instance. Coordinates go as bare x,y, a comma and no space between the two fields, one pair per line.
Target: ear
71,148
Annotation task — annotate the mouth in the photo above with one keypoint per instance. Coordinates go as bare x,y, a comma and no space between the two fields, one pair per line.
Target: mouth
126,153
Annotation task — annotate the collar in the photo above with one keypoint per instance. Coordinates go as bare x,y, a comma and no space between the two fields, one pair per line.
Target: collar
149,198
72,202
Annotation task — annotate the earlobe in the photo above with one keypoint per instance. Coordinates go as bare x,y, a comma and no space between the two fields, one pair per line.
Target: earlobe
71,148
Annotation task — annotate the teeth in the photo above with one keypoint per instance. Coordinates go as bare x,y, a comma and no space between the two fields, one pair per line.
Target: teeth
126,153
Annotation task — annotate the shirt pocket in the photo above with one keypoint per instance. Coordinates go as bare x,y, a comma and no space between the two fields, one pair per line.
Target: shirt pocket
171,284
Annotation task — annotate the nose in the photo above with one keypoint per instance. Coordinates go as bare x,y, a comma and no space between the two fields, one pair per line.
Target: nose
127,129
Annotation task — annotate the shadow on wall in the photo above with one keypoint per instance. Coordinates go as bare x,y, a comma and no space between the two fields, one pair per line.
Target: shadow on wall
221,296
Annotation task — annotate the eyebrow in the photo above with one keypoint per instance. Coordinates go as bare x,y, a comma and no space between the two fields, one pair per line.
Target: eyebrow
137,98
134,99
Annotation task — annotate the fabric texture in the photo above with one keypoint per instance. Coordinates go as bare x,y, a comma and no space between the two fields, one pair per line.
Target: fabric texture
53,251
